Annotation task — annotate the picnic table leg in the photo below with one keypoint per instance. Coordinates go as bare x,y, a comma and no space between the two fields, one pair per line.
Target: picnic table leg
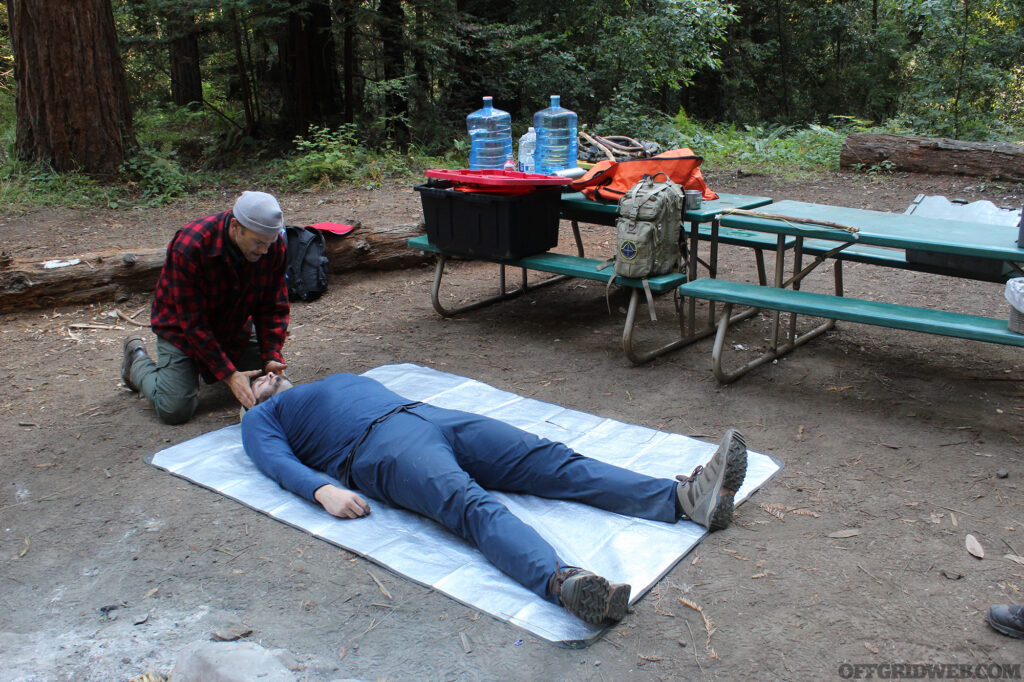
691,274
502,295
578,238
727,377
640,357
780,265
687,306
798,259
762,274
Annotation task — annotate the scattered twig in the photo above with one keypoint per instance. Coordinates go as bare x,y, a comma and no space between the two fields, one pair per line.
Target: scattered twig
130,318
709,627
92,325
694,641
380,586
869,575
792,219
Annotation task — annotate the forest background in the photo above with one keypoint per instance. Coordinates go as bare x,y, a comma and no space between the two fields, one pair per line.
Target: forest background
128,102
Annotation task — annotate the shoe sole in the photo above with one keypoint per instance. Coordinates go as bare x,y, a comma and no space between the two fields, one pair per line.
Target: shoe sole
594,600
735,460
126,364
721,517
618,601
1009,632
720,502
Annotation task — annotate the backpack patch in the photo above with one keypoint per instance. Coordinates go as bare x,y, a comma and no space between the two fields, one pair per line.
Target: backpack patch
306,271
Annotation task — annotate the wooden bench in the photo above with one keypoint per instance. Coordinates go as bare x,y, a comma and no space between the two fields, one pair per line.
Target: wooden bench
944,323
563,266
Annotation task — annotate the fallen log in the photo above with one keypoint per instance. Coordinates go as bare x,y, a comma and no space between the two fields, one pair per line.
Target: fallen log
936,155
113,275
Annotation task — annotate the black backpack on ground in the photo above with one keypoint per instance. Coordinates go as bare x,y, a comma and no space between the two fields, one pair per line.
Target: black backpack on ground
307,263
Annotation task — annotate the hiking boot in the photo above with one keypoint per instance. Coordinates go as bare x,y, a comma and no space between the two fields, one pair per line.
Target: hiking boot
588,596
1007,619
134,349
706,495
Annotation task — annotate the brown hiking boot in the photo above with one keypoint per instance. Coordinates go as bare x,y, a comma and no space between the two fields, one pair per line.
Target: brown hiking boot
588,596
706,495
134,349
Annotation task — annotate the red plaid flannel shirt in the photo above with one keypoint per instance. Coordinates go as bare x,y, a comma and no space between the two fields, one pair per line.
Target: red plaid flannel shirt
206,303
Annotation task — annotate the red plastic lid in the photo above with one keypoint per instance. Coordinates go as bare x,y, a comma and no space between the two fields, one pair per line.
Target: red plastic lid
496,178
335,228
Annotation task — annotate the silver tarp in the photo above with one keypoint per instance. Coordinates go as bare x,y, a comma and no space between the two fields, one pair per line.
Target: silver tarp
623,549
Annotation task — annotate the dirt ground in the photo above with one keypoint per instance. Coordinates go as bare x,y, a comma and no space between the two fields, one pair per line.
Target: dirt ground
896,446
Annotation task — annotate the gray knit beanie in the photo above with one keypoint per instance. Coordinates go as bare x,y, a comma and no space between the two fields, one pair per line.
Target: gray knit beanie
260,212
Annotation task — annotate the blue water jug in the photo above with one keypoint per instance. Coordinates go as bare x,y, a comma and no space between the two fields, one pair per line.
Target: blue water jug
490,137
556,138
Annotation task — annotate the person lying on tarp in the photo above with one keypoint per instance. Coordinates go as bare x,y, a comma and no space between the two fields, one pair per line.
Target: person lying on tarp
441,463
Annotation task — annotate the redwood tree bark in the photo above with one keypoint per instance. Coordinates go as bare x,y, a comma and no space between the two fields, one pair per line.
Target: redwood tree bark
392,35
349,63
310,89
183,53
72,99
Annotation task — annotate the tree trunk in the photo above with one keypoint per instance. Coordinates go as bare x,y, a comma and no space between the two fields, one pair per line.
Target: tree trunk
391,27
183,53
72,99
241,72
310,89
109,275
935,155
348,61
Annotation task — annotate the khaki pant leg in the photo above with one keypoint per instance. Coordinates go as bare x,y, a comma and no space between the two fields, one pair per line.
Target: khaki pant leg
171,384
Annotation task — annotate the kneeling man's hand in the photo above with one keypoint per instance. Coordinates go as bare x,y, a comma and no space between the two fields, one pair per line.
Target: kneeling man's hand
274,366
340,502
238,382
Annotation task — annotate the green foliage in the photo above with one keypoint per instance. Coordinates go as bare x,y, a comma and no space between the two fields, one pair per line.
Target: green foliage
963,72
781,149
23,187
325,156
751,81
932,67
624,117
883,167
155,179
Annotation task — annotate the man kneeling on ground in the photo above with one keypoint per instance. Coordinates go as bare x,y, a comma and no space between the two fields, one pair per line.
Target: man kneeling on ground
220,310
441,463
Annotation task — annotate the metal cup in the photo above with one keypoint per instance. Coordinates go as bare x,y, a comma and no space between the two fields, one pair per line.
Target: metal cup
692,199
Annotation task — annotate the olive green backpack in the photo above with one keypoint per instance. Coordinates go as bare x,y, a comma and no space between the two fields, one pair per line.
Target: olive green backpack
648,225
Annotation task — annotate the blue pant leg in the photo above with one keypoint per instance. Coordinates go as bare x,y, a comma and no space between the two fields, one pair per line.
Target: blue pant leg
502,457
407,462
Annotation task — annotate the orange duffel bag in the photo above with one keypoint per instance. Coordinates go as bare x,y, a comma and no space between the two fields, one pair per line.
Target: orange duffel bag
607,181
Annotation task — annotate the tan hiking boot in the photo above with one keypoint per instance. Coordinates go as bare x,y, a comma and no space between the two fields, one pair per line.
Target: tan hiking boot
706,495
588,596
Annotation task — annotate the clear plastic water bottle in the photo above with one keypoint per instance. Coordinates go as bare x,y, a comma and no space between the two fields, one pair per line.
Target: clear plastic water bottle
556,137
527,151
490,137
